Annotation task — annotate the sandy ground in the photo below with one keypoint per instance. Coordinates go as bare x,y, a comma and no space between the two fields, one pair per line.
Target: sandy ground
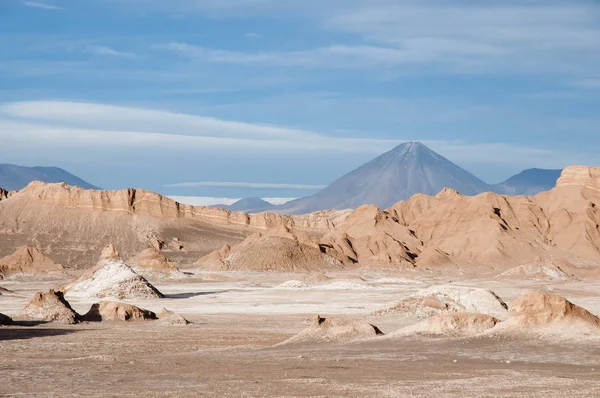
229,350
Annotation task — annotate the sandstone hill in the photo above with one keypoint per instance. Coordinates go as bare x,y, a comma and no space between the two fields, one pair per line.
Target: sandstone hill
76,223
50,306
150,263
28,260
334,331
447,230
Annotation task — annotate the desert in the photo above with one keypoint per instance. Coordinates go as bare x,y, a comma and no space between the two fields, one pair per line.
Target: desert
445,295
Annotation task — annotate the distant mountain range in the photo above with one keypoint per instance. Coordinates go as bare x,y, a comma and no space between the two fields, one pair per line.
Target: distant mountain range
14,178
406,170
529,182
248,205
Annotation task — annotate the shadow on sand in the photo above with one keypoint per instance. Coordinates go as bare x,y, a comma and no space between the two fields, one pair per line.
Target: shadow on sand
189,295
23,330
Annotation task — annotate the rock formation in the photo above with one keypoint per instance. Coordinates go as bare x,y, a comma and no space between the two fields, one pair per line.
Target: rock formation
457,324
275,250
335,330
50,306
447,299
111,279
547,313
167,317
28,260
112,310
110,253
151,263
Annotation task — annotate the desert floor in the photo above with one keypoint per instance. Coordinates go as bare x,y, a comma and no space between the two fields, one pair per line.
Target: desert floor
230,349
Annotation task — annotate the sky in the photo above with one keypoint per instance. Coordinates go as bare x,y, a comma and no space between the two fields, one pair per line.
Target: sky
278,98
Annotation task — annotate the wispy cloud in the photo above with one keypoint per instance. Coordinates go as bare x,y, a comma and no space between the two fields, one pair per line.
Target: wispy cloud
588,83
266,185
71,127
254,35
211,201
44,6
104,50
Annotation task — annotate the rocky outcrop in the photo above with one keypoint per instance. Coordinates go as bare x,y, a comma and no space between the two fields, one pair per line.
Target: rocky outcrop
28,260
458,324
275,250
442,299
52,307
116,311
334,331
3,194
167,317
581,176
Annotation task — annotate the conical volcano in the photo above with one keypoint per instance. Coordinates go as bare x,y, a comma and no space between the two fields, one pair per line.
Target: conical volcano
396,175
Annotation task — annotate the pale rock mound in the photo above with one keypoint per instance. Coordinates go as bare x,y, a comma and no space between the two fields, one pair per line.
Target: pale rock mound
171,318
293,285
111,279
5,320
151,263
457,324
549,314
28,260
538,270
279,249
115,311
110,253
335,331
316,277
445,299
50,306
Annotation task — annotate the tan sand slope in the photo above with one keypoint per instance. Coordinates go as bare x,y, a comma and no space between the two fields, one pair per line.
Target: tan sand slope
151,263
447,298
50,306
548,314
275,250
112,310
28,260
111,279
167,317
335,331
458,324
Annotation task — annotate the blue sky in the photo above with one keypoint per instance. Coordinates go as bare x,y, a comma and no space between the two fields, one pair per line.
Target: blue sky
276,98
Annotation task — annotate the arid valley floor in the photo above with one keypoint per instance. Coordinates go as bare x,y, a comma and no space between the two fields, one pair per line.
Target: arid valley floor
230,349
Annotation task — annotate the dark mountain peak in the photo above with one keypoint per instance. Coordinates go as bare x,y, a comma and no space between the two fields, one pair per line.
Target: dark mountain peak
13,177
408,169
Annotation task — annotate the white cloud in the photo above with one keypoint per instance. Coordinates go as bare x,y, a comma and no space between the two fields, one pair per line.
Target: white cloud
72,128
44,6
104,50
475,37
265,185
254,35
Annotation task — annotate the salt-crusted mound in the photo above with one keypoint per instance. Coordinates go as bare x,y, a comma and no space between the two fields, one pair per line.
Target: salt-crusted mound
171,318
459,324
5,320
278,249
335,331
50,306
548,314
151,263
446,298
28,260
115,311
111,279
538,269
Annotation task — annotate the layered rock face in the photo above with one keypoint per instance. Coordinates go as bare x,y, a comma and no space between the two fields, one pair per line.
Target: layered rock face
87,220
